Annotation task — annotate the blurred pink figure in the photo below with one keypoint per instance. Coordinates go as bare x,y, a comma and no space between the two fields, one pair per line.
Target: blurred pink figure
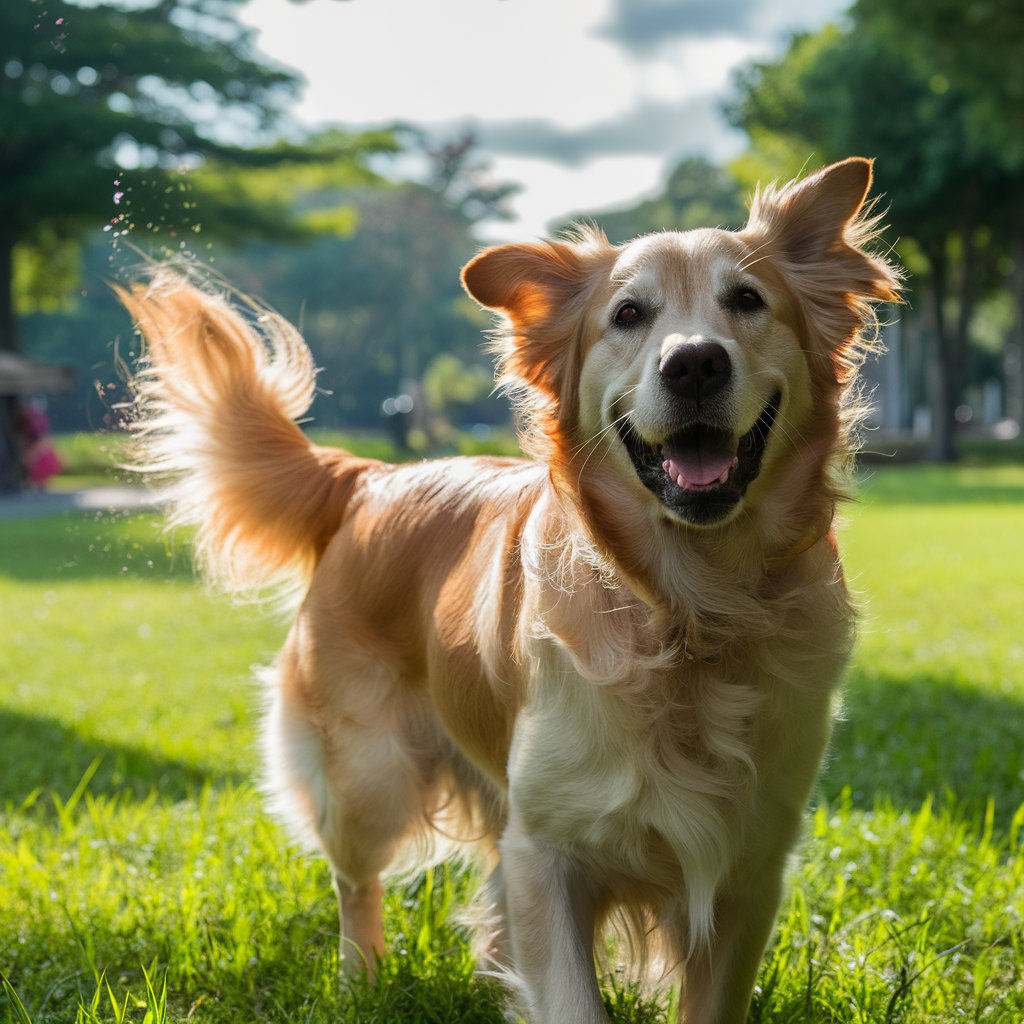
39,459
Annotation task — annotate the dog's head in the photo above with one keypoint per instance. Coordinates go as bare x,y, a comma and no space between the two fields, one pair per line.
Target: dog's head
688,367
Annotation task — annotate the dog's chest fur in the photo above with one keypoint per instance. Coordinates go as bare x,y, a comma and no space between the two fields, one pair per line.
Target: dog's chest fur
668,780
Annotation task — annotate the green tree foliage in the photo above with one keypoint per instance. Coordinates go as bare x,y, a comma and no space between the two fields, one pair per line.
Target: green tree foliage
859,91
377,297
977,48
379,306
137,117
86,90
697,194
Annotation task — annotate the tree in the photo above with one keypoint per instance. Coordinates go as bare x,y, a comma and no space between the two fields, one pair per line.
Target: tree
978,49
839,93
124,116
89,92
377,296
380,305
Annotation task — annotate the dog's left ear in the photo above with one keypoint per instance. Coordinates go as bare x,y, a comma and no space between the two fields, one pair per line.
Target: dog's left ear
809,219
817,233
543,288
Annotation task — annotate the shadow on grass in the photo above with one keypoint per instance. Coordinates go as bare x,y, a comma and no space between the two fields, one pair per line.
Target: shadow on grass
41,753
84,545
905,738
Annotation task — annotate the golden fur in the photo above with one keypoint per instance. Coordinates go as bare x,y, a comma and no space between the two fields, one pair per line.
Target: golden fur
616,681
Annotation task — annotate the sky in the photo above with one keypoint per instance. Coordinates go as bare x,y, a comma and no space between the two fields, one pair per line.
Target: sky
588,104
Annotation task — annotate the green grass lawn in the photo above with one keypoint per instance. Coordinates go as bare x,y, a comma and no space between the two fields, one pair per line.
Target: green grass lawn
94,459
118,670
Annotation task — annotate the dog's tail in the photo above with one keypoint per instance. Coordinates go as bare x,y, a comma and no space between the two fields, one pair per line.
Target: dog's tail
217,397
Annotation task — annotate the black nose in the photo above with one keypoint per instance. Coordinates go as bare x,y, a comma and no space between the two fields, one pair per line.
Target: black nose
696,370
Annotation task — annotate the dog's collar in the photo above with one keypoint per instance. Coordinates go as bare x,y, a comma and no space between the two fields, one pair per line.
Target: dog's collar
777,563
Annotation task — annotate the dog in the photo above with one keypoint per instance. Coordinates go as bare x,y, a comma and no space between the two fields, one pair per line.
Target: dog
612,666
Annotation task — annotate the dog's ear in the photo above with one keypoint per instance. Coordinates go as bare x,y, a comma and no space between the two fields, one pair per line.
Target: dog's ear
543,288
817,233
811,217
523,280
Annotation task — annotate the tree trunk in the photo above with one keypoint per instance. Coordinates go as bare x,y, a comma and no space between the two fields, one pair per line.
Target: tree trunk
8,322
1013,405
10,464
968,297
10,469
942,395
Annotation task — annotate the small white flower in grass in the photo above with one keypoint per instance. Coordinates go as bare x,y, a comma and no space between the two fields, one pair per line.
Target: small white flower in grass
834,852
145,631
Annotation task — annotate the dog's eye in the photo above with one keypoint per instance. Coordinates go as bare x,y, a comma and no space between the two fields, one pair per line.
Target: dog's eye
628,313
745,300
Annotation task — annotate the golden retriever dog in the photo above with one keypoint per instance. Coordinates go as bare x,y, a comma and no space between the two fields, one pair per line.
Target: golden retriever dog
611,666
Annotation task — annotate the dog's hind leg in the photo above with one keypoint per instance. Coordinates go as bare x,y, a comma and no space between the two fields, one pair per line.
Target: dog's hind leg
361,920
340,769
374,800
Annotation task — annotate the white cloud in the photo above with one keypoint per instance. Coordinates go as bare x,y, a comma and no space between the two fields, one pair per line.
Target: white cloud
557,192
545,82
382,60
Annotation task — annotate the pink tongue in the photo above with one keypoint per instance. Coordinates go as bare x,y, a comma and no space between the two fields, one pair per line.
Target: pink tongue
697,465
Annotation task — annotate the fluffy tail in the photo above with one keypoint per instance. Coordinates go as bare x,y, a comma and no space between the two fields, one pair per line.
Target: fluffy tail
217,399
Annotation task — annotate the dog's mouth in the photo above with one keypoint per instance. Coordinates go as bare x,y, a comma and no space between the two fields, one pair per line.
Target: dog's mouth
701,472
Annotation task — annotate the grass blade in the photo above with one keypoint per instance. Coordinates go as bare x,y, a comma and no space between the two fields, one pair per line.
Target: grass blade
12,996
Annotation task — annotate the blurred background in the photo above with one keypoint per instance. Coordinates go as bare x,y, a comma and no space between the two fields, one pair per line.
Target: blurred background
341,159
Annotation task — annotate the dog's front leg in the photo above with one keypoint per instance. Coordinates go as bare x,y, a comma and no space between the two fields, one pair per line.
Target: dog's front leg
551,923
719,980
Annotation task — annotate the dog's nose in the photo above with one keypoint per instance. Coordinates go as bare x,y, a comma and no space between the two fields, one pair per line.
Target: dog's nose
696,370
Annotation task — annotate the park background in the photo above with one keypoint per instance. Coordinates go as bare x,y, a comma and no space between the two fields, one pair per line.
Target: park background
138,875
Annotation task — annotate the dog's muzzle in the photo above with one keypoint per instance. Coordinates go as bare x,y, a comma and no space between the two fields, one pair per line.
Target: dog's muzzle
701,472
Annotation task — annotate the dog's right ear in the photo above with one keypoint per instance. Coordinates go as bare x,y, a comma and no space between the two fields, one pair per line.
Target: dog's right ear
543,288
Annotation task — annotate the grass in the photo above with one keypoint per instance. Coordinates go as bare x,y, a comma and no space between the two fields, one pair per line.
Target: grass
936,694
134,853
93,459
